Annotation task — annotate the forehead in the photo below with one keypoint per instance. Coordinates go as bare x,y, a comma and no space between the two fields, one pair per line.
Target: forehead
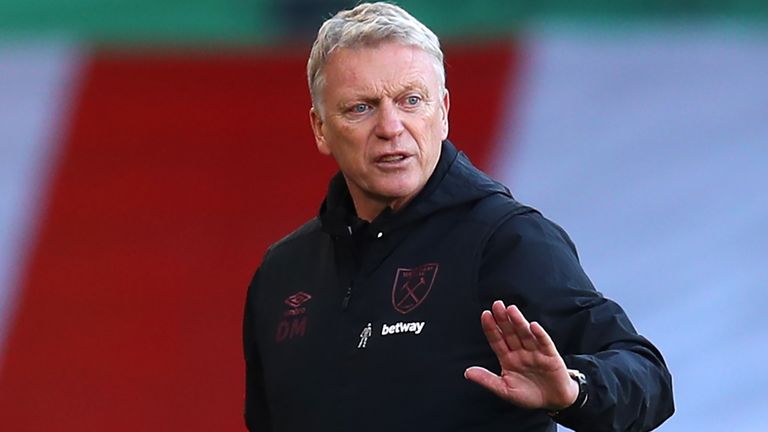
384,68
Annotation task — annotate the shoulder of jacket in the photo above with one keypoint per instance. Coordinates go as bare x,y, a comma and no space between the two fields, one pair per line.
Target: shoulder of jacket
497,208
508,219
533,228
295,238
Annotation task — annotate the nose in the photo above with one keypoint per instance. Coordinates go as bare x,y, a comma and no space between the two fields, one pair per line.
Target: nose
389,124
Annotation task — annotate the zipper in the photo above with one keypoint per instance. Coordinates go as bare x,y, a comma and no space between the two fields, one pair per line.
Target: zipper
347,269
347,296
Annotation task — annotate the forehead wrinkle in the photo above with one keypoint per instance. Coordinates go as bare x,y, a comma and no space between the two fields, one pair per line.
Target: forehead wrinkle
376,91
357,84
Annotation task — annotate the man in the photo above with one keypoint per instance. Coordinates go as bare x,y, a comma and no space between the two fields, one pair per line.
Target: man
416,243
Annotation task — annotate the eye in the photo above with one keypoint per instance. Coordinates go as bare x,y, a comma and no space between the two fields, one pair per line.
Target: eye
412,100
359,108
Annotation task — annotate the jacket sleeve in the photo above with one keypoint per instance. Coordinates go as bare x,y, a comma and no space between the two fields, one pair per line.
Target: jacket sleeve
530,261
256,408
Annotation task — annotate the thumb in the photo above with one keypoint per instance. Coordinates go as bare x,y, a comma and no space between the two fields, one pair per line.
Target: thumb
487,379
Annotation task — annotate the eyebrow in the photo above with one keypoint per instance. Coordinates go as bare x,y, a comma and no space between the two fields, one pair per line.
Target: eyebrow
373,100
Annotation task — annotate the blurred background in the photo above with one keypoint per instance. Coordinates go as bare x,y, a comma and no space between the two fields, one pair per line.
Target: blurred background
150,152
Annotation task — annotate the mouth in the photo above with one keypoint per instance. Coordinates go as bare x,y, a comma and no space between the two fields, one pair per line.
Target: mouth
391,158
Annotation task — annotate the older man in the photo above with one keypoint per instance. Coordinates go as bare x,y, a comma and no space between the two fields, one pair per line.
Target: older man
366,317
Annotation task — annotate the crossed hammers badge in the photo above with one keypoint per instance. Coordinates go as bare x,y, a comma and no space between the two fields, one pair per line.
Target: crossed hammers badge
412,286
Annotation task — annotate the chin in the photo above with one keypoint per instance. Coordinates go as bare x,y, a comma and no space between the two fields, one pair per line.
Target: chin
399,192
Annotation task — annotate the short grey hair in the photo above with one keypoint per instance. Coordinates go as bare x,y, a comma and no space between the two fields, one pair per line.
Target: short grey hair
367,25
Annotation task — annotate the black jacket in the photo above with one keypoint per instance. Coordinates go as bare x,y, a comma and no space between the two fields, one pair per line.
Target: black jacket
420,277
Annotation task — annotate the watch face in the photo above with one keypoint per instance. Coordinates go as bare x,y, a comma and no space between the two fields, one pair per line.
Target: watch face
577,376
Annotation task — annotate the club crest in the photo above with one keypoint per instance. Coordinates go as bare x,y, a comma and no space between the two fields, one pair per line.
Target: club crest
412,286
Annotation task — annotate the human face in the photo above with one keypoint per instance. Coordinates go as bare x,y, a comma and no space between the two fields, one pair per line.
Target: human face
383,119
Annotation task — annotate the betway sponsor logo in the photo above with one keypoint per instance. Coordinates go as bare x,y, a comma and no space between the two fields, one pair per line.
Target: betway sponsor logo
402,327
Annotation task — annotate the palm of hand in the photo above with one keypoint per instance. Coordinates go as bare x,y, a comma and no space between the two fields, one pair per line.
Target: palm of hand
533,375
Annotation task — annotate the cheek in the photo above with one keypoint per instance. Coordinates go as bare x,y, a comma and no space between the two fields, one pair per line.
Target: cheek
349,143
433,130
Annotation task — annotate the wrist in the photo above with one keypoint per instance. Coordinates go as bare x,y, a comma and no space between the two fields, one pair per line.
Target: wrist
577,392
574,390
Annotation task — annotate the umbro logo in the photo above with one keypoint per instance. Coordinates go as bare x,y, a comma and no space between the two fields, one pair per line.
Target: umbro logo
298,299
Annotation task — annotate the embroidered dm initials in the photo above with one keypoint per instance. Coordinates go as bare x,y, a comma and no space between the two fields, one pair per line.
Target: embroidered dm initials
294,322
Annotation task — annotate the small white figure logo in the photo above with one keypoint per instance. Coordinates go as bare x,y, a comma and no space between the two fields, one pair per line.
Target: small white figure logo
366,333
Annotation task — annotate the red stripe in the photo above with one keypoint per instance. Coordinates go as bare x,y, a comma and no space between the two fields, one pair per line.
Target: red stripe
480,79
177,172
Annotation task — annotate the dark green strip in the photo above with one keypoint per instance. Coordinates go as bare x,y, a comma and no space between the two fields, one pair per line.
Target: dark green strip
267,21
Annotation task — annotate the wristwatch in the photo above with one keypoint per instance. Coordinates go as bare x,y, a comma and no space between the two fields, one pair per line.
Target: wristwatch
582,397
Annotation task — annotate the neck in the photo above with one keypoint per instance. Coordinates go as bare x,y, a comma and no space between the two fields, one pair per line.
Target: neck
369,208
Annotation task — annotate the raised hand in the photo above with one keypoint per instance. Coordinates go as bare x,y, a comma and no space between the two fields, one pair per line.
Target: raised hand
533,375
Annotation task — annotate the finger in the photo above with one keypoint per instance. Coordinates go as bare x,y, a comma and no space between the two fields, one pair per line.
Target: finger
546,345
493,334
487,379
505,325
522,328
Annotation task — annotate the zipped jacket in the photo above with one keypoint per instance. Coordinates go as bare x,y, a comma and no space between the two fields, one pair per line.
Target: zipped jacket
356,326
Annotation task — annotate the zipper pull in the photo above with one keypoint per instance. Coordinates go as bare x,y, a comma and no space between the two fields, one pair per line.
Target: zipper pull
347,296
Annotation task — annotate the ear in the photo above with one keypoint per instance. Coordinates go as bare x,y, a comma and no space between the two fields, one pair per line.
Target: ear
317,128
444,107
